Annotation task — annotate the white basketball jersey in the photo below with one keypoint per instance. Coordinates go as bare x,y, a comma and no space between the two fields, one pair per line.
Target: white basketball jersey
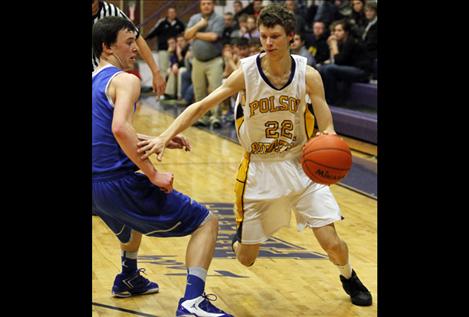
273,123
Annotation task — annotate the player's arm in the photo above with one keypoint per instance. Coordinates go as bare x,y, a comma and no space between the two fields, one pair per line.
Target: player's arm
315,90
126,89
233,84
178,142
158,83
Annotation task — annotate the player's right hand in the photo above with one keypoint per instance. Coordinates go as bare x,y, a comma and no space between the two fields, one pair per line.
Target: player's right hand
164,181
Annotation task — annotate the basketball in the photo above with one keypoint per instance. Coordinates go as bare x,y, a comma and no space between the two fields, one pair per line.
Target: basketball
326,159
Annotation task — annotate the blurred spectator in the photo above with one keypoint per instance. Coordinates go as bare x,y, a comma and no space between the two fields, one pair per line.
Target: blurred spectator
332,10
177,49
310,14
251,28
169,26
205,29
237,8
253,8
291,6
172,71
232,56
229,27
298,48
370,34
228,59
234,53
254,46
317,42
187,89
358,19
349,63
242,26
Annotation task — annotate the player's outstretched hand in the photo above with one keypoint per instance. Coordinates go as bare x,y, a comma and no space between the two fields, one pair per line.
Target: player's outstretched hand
179,142
148,147
159,84
164,181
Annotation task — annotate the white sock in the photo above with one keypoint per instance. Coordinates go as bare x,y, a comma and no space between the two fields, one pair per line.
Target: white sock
345,270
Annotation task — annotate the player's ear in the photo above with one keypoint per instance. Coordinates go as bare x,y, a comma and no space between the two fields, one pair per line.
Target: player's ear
107,49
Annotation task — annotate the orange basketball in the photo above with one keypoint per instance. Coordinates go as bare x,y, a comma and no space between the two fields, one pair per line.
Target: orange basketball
326,159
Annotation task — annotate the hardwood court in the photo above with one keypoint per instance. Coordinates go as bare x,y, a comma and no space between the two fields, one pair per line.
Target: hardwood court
293,279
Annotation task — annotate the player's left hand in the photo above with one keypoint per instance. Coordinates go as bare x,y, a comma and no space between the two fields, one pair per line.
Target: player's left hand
179,142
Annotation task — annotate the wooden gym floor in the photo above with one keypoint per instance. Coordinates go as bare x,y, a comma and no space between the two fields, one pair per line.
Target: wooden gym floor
291,278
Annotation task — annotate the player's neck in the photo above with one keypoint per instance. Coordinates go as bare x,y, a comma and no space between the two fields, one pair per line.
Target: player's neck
277,66
103,61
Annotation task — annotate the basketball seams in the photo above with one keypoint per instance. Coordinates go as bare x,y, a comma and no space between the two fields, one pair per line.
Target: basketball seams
329,148
330,167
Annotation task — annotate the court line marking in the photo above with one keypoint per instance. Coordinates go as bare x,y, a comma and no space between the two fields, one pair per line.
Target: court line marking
123,310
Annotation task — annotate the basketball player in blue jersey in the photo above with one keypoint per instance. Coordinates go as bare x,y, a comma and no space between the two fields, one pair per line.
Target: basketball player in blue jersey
273,122
133,203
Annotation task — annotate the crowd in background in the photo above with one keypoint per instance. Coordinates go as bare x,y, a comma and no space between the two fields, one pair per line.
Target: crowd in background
338,38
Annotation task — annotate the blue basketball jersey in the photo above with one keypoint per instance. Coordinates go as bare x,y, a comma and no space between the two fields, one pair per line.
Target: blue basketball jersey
107,156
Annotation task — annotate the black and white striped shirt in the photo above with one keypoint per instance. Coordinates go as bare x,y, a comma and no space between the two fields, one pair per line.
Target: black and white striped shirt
106,10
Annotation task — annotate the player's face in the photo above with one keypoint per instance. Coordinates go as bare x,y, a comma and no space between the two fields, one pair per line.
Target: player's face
125,49
274,40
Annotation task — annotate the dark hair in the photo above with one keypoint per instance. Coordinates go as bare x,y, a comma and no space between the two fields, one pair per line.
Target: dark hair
240,41
345,25
275,14
105,32
372,5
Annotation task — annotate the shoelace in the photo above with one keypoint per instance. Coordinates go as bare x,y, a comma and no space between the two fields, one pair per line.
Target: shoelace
142,270
206,296
208,302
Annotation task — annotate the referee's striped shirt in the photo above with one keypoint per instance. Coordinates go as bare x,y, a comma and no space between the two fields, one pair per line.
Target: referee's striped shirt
106,10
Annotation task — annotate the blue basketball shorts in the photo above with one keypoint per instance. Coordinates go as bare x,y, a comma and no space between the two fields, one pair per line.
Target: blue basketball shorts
130,201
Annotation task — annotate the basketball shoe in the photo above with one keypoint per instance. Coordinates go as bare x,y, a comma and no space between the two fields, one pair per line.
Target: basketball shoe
199,307
130,285
358,292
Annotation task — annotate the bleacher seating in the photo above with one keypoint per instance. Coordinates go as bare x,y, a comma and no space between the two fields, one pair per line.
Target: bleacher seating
364,94
358,123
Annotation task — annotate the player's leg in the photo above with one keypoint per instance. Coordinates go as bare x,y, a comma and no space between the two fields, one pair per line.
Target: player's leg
199,254
317,208
337,251
130,281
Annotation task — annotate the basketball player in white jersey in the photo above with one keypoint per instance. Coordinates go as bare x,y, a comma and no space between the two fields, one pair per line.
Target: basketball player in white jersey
273,123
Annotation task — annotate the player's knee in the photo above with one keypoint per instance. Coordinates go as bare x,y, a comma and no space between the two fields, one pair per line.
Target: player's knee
210,225
213,222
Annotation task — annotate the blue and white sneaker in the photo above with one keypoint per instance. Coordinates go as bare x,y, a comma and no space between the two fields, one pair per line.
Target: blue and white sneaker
126,286
199,307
